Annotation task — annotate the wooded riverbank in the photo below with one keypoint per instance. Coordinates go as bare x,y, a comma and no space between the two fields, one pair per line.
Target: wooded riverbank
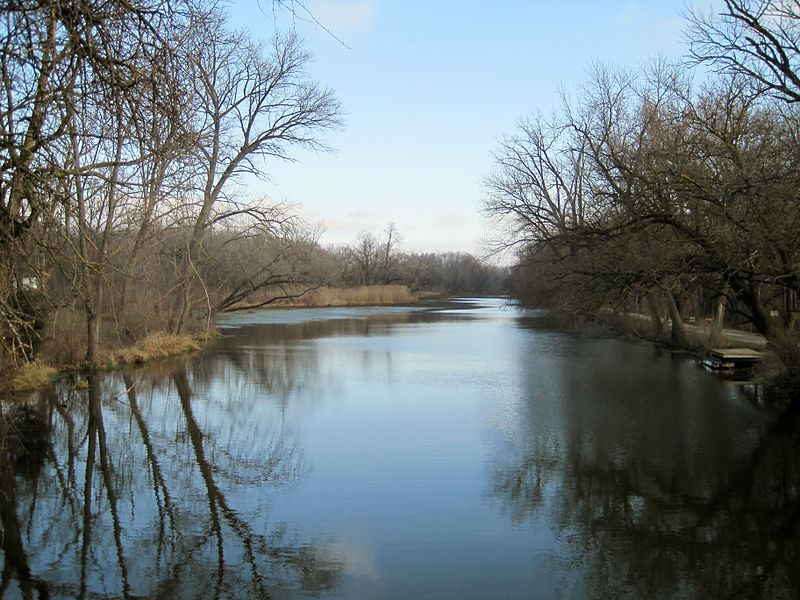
670,190
161,344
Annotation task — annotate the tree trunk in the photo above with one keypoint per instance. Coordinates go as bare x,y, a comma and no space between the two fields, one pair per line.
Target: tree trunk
92,334
658,324
759,315
678,334
718,319
181,306
790,309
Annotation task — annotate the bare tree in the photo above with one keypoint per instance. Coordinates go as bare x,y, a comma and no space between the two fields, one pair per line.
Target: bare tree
252,103
366,252
251,267
536,191
759,39
388,254
126,131
69,76
680,186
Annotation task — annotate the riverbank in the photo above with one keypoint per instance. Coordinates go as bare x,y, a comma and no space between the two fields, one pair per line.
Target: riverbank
328,297
155,346
700,337
60,352
781,379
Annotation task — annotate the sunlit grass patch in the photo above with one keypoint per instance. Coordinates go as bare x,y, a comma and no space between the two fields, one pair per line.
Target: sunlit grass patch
32,376
154,346
368,295
161,344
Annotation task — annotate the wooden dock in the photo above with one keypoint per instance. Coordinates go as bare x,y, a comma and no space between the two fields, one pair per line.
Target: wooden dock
732,358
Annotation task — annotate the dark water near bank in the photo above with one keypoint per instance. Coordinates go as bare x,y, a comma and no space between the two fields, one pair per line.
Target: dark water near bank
469,451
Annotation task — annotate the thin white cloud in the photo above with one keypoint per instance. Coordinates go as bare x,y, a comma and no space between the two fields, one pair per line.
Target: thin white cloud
345,17
450,220
360,214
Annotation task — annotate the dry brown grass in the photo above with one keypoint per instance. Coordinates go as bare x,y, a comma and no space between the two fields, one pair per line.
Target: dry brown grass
65,341
372,295
32,376
155,346
64,347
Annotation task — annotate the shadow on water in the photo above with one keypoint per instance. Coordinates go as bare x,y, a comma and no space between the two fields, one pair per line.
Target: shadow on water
655,492
24,442
276,358
122,490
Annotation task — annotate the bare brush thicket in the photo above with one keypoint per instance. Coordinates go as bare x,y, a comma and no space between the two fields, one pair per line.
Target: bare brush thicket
649,193
125,131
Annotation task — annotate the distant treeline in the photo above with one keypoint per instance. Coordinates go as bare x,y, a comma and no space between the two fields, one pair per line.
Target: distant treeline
376,260
673,190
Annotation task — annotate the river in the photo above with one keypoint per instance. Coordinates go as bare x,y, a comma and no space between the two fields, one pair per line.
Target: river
467,449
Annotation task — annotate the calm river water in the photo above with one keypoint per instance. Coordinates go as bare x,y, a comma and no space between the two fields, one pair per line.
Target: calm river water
462,451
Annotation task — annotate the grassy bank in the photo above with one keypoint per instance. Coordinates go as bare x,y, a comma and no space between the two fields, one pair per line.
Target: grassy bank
372,295
29,376
155,346
64,346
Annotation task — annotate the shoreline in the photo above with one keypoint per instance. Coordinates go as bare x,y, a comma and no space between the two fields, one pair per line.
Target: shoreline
158,345
781,382
161,345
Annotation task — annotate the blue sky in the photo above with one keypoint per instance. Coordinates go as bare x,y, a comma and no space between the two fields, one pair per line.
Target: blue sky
429,87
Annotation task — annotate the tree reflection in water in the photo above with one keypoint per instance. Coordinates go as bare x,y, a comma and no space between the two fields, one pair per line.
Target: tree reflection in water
646,512
275,358
161,482
133,488
24,439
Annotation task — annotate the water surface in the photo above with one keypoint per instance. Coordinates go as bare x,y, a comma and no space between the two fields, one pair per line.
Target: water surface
466,450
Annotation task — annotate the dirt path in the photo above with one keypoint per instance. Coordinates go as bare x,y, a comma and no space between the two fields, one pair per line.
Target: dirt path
730,337
735,337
